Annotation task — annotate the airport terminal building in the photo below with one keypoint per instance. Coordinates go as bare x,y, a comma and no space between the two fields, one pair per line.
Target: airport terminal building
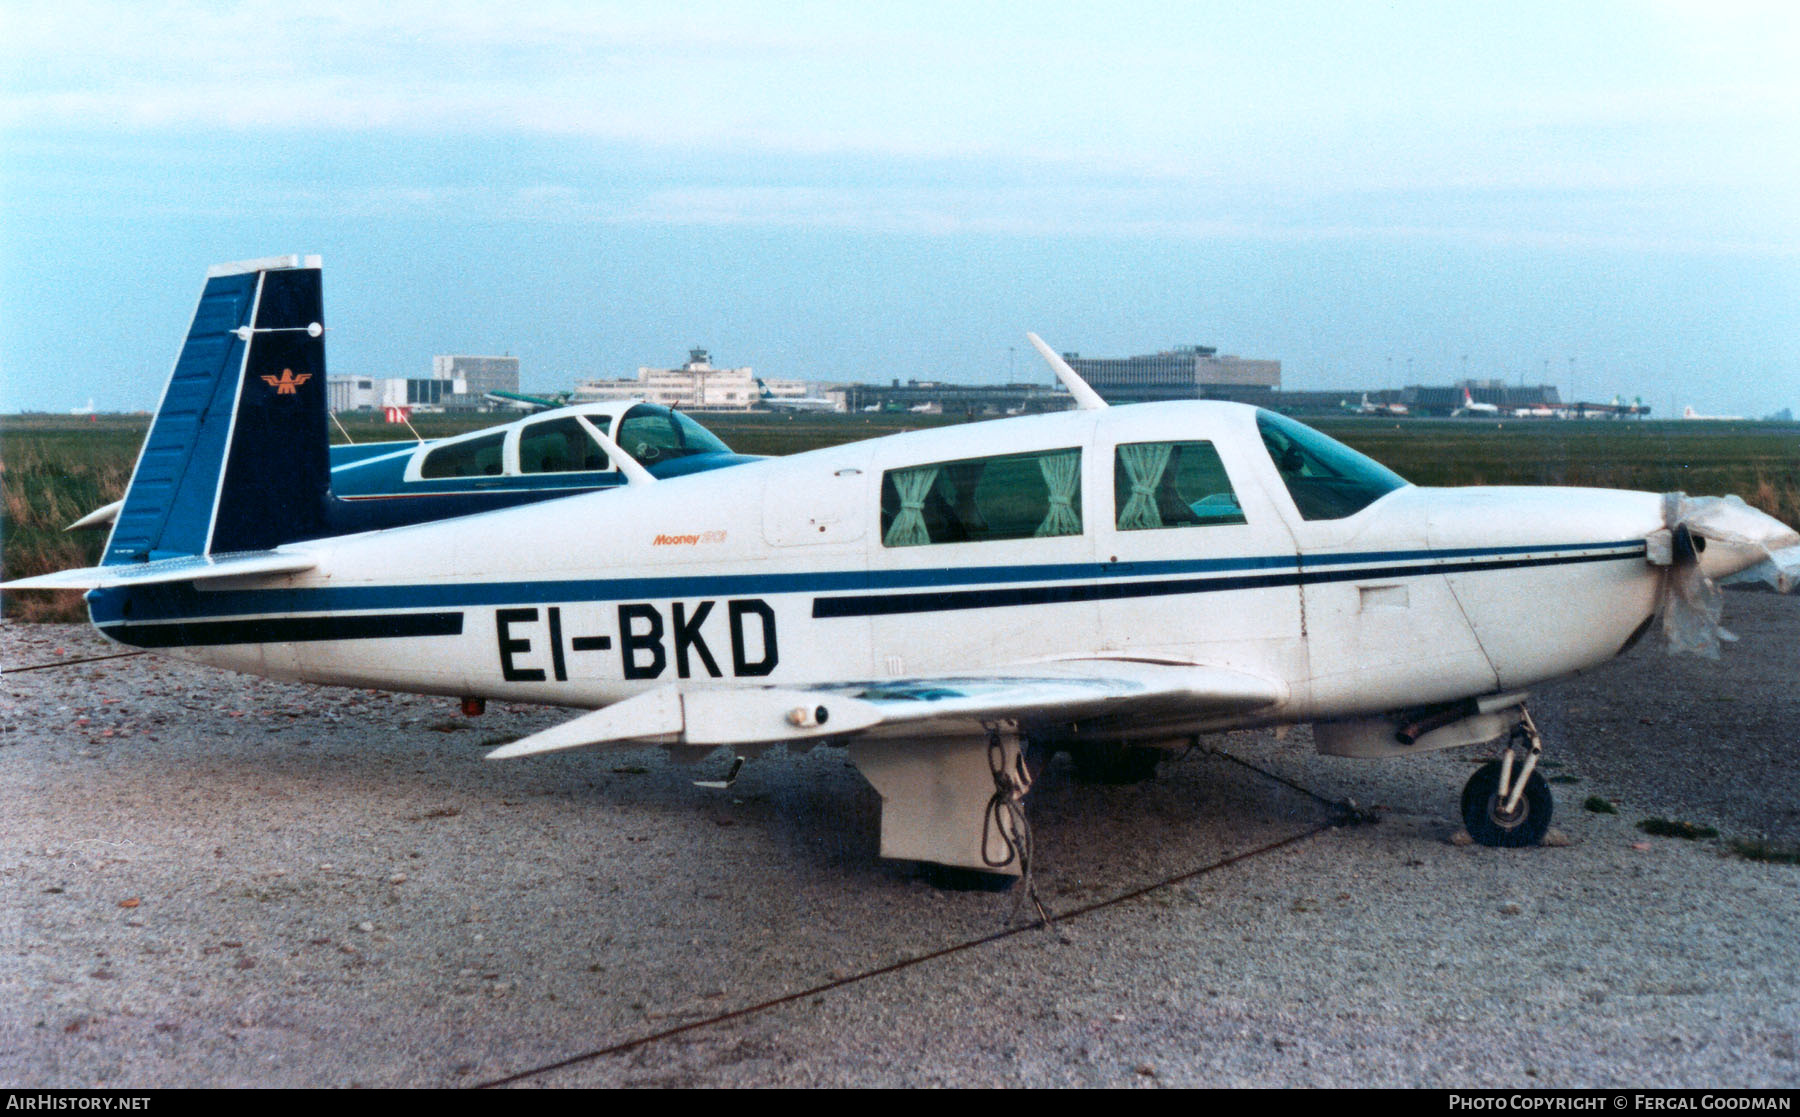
456,383
695,386
1185,372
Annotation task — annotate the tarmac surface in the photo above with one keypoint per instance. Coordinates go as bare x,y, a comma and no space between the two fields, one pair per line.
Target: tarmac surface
216,880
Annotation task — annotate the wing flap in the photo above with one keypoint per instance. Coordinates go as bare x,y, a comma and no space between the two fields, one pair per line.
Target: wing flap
704,718
1070,689
187,568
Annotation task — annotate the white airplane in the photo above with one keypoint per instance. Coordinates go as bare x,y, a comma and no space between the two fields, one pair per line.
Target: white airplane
1689,413
1367,408
546,455
1471,407
773,402
951,604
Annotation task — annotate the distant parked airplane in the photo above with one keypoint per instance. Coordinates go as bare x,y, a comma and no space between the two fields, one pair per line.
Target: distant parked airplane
1470,407
793,403
1367,408
1690,413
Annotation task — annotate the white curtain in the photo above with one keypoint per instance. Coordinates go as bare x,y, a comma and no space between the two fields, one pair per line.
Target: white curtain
912,486
1062,476
1145,463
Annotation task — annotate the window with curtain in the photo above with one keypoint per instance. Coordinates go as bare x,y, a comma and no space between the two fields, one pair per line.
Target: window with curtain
1171,484
974,500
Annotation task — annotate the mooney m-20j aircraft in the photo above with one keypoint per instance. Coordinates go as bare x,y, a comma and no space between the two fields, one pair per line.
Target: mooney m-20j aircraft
950,604
553,454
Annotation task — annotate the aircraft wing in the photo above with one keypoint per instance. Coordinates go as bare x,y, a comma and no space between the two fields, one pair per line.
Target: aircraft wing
187,568
1036,693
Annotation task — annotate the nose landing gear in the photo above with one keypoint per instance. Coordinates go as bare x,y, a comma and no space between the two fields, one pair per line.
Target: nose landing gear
1506,803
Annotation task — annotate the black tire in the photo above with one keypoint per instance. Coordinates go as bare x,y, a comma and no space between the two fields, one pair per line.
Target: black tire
955,878
1489,827
1109,762
1038,755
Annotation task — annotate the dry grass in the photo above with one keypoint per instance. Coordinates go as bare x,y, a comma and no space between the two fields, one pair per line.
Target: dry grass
49,480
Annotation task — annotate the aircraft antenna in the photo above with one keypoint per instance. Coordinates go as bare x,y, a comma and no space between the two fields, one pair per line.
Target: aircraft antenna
1086,399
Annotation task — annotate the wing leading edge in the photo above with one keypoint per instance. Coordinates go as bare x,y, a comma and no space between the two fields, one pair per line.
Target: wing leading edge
1062,690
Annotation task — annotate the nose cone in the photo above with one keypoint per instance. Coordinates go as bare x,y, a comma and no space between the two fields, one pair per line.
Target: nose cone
1737,536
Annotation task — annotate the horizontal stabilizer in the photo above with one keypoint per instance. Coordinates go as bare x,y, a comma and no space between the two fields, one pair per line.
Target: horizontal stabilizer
1039,692
188,568
102,516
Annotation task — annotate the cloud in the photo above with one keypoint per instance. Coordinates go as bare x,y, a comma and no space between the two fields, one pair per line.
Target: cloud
1148,120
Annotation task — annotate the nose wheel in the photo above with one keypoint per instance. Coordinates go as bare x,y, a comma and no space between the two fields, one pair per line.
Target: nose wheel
1507,802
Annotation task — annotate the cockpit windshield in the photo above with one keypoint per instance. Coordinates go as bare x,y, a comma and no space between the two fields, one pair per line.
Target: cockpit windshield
1327,479
651,433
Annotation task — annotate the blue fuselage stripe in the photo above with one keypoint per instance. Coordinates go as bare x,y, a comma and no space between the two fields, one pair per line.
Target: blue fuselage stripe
873,605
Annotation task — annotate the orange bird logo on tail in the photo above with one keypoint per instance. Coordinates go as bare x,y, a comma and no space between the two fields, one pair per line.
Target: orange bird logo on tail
287,382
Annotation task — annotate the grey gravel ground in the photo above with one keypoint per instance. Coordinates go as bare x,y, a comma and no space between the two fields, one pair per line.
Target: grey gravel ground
217,880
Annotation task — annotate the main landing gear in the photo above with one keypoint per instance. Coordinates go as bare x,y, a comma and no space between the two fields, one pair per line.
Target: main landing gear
1507,802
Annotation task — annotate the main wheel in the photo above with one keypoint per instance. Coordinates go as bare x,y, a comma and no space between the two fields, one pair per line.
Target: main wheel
955,878
1488,822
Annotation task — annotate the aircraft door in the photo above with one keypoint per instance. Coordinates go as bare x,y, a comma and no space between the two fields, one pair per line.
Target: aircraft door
1196,557
827,506
982,559
815,516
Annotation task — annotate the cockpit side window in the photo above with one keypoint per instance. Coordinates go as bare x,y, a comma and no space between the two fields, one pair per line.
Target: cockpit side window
973,500
1327,479
474,457
1171,484
559,446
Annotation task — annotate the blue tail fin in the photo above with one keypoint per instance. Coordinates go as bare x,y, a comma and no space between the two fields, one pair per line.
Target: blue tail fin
236,458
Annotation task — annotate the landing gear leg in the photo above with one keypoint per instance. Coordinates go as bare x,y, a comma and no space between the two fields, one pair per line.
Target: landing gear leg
955,804
1507,802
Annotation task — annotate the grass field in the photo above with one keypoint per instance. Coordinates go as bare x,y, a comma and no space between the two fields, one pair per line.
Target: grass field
55,469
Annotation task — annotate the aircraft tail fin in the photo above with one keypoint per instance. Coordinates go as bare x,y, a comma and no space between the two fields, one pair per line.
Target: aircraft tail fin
237,456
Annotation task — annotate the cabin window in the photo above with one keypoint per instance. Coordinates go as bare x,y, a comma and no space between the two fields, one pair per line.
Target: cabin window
559,446
1012,496
1171,484
473,457
651,434
1327,479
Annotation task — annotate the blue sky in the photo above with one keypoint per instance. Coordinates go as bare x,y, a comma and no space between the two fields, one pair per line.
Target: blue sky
1605,193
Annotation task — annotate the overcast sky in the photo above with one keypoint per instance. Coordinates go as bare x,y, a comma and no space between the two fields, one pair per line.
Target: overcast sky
1603,194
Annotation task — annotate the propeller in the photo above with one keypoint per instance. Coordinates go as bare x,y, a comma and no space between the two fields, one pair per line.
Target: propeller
1704,540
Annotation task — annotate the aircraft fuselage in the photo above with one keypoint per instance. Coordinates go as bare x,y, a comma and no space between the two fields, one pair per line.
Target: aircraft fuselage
781,572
